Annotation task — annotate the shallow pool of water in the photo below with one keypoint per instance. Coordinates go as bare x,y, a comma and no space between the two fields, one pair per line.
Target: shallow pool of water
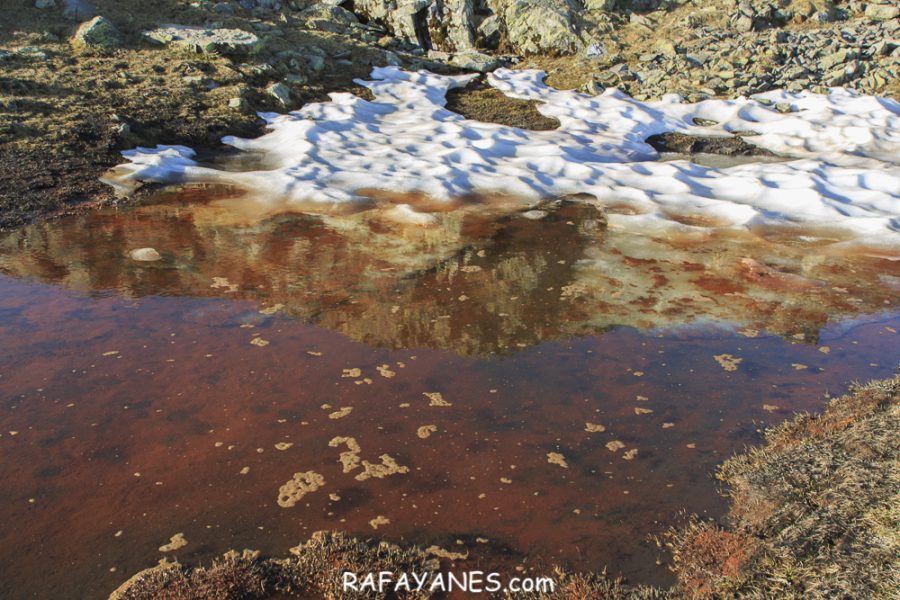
143,399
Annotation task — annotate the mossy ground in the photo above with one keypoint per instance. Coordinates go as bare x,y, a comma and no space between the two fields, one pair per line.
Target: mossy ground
815,513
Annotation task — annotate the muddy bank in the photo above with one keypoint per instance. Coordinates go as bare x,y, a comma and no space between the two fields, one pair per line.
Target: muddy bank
813,515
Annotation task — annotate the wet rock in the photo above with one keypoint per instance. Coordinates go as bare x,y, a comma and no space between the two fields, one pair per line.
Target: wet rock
99,32
202,39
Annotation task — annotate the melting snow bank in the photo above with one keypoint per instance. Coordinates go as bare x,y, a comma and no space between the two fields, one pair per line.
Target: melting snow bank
846,178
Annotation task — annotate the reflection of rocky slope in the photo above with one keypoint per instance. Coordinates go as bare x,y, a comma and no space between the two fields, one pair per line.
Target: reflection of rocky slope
473,282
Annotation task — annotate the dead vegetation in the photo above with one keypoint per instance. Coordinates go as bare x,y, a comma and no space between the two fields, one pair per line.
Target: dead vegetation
815,514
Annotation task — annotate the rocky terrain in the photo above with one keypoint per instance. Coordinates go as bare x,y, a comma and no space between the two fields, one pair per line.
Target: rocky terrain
80,81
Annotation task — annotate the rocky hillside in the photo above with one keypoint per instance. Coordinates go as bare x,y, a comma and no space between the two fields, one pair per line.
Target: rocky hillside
81,80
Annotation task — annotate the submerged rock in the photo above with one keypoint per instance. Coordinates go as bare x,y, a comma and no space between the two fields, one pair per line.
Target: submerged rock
202,39
145,255
99,32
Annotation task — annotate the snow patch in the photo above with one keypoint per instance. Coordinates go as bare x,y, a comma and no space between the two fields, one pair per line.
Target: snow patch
846,175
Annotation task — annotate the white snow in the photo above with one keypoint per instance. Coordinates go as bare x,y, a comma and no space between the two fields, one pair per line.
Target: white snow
846,176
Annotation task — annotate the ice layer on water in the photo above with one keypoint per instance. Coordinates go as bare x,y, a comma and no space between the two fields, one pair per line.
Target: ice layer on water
844,174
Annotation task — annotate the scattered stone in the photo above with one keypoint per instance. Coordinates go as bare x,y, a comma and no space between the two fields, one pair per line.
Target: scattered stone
280,92
202,39
474,61
99,32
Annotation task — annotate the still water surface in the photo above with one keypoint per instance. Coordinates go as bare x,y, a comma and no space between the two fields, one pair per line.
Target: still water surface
144,399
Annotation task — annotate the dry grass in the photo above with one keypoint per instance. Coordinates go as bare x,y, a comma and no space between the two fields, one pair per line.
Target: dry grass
814,513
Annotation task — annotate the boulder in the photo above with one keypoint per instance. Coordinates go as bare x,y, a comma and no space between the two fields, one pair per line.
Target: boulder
883,12
474,61
488,33
99,32
203,39
327,16
541,26
444,25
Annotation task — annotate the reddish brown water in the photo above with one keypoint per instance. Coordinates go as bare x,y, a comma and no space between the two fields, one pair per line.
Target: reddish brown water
134,395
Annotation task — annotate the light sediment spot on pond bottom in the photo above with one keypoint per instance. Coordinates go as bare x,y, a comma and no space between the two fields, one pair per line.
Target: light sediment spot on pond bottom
349,458
614,445
175,542
387,467
425,431
223,283
769,407
594,428
385,371
728,362
259,342
352,372
301,484
506,480
668,425
441,553
378,521
824,349
750,333
642,411
436,399
630,454
340,414
555,458
283,445
271,310
244,471
799,366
